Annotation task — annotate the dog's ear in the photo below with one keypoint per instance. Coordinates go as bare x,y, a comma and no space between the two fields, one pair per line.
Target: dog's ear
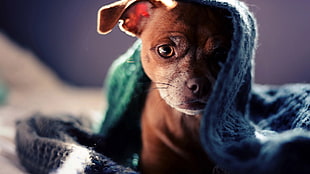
132,15
109,15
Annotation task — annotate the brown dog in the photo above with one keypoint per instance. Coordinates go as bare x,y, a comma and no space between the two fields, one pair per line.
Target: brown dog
182,47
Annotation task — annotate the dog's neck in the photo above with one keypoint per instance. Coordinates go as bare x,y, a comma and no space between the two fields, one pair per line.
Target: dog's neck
168,119
173,133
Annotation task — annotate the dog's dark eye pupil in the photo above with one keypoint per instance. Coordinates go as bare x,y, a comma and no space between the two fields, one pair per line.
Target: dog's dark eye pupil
220,54
165,51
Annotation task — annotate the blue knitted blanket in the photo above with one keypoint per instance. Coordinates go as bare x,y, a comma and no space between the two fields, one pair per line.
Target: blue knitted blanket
246,128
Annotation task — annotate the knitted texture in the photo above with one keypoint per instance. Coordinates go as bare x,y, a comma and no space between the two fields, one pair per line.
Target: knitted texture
245,128
62,144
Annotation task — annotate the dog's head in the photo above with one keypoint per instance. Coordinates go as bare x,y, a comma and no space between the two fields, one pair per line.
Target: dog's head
183,45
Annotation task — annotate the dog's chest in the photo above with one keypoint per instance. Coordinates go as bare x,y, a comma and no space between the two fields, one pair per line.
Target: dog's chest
170,140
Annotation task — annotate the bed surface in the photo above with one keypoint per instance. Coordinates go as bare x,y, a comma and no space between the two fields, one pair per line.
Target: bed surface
33,87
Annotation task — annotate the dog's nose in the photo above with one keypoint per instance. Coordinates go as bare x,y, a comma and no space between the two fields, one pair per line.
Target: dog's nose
198,86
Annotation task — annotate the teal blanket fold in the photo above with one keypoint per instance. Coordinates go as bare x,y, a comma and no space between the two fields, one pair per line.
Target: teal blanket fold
3,92
246,127
126,88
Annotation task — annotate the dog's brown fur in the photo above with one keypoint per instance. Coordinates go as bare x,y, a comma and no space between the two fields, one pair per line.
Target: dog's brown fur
182,45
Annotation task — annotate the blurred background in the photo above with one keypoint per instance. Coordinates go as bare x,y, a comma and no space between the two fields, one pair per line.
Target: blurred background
63,35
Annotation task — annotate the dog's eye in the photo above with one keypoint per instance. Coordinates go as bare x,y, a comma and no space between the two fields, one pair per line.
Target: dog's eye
165,51
220,54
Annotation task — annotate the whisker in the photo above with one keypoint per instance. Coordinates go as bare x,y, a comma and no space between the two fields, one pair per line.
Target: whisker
156,88
168,84
159,88
143,83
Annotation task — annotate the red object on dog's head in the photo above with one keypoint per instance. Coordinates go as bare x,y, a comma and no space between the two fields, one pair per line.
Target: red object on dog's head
142,9
134,15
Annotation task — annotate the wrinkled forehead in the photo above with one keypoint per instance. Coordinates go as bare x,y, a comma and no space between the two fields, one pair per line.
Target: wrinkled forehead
191,18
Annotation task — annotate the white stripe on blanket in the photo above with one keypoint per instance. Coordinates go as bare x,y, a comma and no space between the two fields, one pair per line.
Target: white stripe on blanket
75,162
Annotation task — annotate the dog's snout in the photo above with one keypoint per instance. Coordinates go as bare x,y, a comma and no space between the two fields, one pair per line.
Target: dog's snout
198,86
193,85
